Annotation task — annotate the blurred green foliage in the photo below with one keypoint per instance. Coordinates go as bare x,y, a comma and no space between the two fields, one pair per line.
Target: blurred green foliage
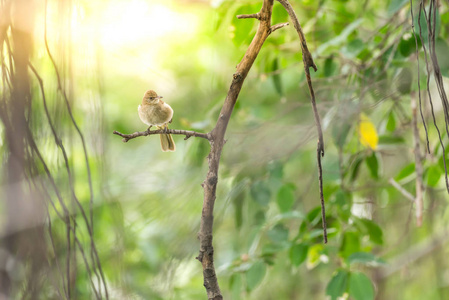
268,235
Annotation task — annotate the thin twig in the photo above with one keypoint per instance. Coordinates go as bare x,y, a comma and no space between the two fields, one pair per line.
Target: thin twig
419,76
277,26
66,218
255,16
399,187
320,182
421,7
309,63
187,133
94,254
306,55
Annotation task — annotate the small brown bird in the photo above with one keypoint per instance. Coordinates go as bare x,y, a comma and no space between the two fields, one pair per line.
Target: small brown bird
155,112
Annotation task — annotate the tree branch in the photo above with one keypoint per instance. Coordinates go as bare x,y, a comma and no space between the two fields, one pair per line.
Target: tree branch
306,55
309,63
217,140
255,16
187,133
277,26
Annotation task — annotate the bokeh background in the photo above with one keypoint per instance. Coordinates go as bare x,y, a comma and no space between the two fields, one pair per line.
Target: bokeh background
132,212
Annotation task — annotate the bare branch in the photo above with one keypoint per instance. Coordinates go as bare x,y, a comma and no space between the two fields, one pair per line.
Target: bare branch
308,63
277,26
205,234
437,75
306,55
90,225
187,133
255,16
320,182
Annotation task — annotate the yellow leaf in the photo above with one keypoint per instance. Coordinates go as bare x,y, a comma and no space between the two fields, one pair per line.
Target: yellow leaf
313,257
367,132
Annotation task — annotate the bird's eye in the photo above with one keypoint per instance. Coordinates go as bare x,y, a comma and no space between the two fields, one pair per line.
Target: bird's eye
151,98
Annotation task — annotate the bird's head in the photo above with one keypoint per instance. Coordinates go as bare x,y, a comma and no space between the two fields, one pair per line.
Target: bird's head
151,97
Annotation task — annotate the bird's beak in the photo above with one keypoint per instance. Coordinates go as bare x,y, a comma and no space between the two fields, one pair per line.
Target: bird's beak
160,97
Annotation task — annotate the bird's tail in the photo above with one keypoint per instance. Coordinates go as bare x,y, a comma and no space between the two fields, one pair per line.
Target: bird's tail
167,143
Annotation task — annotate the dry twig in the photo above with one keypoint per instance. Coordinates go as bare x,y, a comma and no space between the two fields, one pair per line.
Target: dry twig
309,63
187,133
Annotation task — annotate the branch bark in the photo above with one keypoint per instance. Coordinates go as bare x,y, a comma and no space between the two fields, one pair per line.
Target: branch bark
217,142
187,133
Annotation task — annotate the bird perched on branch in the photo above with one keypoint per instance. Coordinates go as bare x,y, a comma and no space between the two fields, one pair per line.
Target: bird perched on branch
155,112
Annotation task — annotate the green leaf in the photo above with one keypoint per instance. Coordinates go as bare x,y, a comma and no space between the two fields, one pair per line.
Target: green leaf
433,175
365,54
390,139
356,168
259,217
442,50
395,6
338,285
261,193
341,38
373,165
276,77
350,243
241,30
423,24
314,254
276,169
279,15
330,67
235,284
360,287
270,249
278,234
353,48
285,197
238,208
342,201
255,274
406,171
372,229
314,216
298,254
408,46
391,123
365,258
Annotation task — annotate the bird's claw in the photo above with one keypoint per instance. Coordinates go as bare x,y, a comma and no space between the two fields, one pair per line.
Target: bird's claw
148,130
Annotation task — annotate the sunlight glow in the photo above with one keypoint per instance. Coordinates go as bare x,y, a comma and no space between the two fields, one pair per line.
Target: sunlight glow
138,21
